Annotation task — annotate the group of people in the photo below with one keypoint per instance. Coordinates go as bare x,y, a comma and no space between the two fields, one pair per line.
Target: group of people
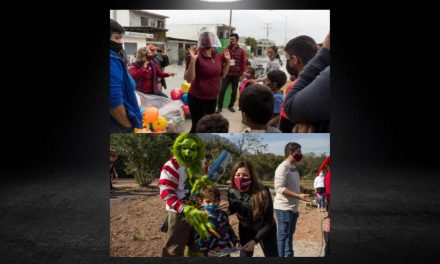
268,104
146,75
196,221
303,105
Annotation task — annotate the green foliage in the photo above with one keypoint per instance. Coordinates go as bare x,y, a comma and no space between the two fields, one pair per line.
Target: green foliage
142,154
253,43
265,164
309,164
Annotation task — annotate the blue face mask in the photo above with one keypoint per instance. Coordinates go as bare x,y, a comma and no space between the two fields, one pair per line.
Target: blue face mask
210,208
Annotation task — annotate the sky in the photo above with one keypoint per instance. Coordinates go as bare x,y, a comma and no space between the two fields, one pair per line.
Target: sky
314,23
317,142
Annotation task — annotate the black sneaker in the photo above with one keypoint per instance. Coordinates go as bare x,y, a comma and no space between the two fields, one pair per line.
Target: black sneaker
231,109
219,110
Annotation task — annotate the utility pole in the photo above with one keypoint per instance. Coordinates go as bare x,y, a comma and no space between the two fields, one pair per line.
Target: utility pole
267,30
230,20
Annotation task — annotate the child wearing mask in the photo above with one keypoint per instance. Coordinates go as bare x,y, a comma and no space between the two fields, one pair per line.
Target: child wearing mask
223,240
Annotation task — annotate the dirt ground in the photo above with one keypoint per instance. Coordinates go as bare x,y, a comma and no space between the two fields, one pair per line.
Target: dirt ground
136,215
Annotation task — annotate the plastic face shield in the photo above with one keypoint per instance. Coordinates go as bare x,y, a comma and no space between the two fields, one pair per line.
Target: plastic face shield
208,39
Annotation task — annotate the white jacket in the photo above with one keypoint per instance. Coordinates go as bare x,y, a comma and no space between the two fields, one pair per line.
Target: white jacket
319,181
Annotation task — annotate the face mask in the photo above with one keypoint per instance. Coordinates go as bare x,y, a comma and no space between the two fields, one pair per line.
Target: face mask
291,70
210,208
150,56
297,156
247,76
242,183
116,47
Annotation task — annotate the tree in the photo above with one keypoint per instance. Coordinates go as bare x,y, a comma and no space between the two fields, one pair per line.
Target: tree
253,43
144,154
249,142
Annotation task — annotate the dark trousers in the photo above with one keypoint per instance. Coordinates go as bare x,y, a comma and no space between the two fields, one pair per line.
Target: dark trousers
268,244
285,125
198,108
229,79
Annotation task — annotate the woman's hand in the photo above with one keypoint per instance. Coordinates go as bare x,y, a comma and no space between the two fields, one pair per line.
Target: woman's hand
227,55
172,74
146,64
249,247
193,53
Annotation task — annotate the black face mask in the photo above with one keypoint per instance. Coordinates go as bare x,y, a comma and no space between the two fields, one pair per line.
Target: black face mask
116,47
291,70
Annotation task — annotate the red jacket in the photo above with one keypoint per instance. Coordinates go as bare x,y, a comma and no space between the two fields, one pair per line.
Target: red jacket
146,79
239,55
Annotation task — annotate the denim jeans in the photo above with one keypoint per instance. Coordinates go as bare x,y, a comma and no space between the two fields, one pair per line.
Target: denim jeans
286,221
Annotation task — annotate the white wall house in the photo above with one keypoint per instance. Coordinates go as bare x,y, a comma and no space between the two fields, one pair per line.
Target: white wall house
142,28
191,31
263,45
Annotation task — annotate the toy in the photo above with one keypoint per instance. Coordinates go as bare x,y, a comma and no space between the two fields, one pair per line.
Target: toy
185,109
176,94
160,124
184,98
150,114
185,87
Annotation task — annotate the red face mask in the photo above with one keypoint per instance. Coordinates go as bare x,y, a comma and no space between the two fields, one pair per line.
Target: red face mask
298,156
150,56
242,183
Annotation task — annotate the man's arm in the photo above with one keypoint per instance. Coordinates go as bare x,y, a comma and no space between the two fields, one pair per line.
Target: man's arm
120,115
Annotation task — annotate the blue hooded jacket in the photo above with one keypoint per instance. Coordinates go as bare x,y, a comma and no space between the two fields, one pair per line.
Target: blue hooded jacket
122,92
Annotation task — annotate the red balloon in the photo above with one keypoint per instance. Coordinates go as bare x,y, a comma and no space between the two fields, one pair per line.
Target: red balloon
185,109
176,93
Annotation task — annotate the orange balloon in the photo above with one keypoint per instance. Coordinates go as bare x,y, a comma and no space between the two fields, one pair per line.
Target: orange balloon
150,115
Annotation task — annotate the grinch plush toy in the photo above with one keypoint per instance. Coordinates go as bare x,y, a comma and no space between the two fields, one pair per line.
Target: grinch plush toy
189,151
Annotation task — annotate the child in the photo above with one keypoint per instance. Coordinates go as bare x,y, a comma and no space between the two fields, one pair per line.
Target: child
250,78
275,81
256,106
213,123
320,191
223,237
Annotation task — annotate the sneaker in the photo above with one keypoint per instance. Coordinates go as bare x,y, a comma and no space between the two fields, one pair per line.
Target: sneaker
231,109
218,110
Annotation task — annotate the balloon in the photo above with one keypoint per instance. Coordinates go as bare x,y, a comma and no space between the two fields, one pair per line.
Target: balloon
150,114
176,93
160,124
185,109
185,87
185,98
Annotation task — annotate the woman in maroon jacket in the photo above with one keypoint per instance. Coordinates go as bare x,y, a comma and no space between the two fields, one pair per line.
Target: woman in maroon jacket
204,69
146,72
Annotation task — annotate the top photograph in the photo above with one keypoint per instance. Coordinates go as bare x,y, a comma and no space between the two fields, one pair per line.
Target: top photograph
219,71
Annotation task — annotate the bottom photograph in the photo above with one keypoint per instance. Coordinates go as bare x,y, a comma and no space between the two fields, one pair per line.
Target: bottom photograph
219,195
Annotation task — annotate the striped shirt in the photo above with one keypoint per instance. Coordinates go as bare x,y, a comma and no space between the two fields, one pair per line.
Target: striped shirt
172,184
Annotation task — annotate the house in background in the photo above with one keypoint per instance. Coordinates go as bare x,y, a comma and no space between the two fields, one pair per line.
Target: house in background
142,28
191,31
263,45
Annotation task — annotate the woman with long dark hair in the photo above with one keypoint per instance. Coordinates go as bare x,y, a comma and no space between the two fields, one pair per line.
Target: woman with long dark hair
252,202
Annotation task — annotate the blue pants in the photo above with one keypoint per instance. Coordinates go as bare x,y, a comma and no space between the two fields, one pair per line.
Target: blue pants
286,221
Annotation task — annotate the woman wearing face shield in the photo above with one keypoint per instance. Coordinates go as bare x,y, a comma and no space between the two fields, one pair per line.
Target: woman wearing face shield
204,69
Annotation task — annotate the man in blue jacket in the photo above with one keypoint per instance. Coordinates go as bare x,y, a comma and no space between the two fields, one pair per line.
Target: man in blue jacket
124,110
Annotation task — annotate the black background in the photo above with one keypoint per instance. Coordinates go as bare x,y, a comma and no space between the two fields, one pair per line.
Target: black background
54,199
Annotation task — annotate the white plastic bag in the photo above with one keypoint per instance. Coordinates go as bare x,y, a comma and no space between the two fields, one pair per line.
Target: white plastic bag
170,109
